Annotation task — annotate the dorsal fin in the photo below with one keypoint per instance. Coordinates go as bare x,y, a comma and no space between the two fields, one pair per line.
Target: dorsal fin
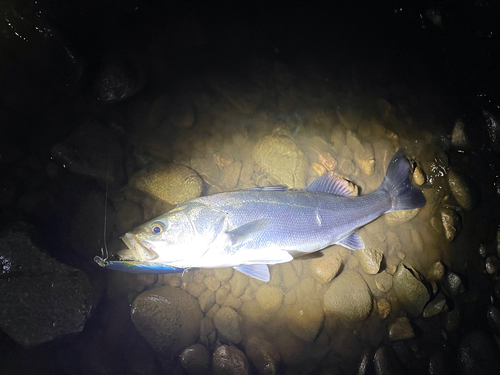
333,183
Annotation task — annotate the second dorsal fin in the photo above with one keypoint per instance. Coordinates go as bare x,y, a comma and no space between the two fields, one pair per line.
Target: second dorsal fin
333,183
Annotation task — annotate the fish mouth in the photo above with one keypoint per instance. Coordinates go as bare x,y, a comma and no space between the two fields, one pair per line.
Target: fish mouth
138,247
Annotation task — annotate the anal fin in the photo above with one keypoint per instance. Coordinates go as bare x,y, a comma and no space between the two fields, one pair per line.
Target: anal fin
257,271
353,242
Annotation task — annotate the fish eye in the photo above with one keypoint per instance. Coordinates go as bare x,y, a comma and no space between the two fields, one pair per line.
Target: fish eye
157,228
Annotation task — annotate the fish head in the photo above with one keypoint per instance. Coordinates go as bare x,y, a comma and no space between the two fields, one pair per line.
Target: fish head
184,232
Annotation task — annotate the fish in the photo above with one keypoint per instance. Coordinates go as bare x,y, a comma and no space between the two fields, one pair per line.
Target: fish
252,228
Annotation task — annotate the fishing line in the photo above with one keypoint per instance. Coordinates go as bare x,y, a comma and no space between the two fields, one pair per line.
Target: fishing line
105,257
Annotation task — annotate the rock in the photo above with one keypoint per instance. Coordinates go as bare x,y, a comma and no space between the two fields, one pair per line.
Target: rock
281,159
383,281
221,295
212,283
436,272
304,319
41,298
269,297
451,223
319,169
290,297
170,183
408,285
418,176
436,306
116,81
492,265
227,321
223,274
493,318
348,297
400,217
451,320
206,300
477,354
369,259
195,288
383,308
459,190
168,318
290,277
238,284
453,284
229,360
207,332
328,161
195,359
365,159
230,170
92,151
324,269
386,362
458,135
264,355
346,167
401,329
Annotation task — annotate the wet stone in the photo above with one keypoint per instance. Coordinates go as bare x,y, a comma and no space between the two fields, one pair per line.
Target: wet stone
290,277
436,272
227,321
290,297
221,295
400,217
383,281
212,283
168,318
386,362
238,284
324,269
281,159
451,222
47,300
458,135
229,360
223,274
369,259
304,319
348,297
410,290
453,284
477,354
451,320
196,288
207,330
459,189
206,300
264,355
195,359
418,176
233,302
170,183
436,306
401,329
492,265
383,308
493,319
269,297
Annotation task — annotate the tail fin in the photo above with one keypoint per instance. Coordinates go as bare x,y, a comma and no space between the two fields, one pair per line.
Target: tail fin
397,183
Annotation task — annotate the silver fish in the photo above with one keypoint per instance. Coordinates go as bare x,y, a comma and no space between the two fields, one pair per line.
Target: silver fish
249,229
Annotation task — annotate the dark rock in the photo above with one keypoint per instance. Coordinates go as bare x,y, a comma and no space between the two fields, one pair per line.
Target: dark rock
8,191
493,318
229,360
92,151
195,359
168,318
386,362
117,81
264,355
477,354
41,298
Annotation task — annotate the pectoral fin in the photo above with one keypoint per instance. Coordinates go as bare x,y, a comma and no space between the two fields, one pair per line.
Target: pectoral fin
247,231
257,271
353,242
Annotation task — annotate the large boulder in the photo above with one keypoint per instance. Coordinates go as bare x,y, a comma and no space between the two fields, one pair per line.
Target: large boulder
168,318
41,298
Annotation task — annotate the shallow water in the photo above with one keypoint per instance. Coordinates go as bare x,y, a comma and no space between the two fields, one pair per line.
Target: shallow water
299,312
